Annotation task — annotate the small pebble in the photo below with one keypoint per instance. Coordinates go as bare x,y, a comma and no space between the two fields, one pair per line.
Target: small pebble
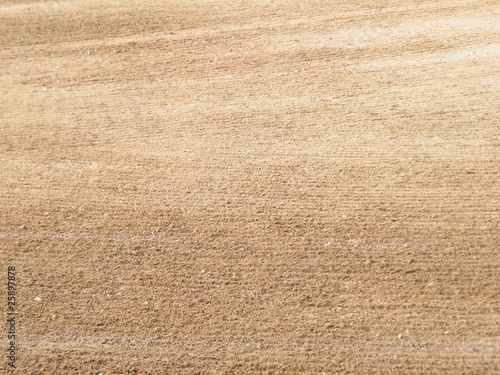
38,299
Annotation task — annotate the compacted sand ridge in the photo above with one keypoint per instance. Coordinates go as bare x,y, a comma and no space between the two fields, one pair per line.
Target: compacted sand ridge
250,187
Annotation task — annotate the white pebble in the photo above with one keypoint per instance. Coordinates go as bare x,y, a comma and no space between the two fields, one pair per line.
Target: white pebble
38,299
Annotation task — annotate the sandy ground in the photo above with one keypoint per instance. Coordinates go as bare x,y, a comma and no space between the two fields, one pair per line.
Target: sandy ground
251,187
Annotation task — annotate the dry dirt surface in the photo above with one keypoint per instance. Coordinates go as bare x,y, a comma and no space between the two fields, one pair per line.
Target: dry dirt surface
250,187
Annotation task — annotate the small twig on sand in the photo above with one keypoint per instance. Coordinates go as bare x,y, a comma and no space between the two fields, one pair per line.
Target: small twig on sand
201,356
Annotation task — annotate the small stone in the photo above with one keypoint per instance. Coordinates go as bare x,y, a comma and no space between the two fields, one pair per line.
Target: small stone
400,336
38,299
23,227
146,302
